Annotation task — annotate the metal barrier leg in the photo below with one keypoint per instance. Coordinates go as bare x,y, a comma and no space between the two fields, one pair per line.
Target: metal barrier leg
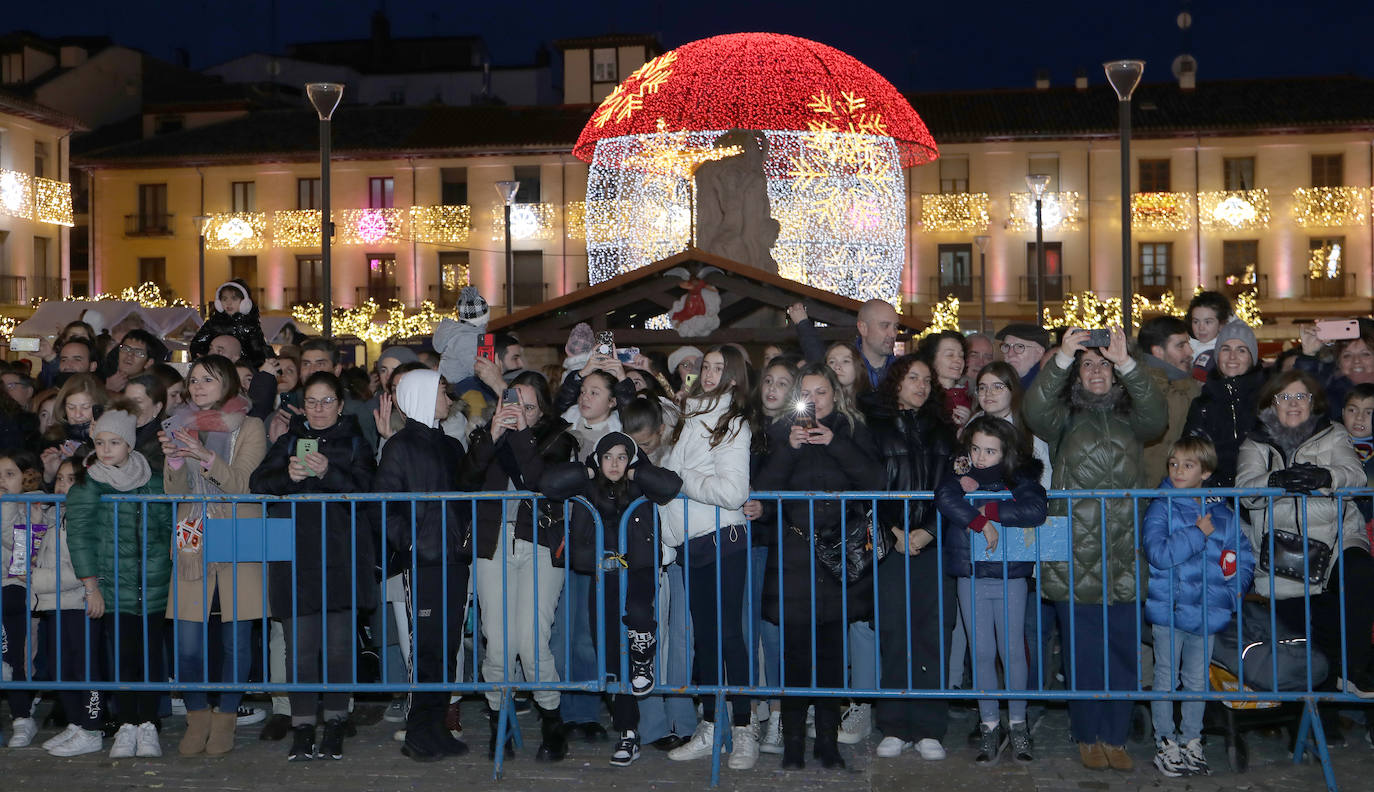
1311,728
504,723
723,722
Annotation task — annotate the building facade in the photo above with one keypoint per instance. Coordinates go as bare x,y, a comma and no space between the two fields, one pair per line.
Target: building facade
35,201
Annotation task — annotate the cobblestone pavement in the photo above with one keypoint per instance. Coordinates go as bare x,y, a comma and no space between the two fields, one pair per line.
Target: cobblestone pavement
373,761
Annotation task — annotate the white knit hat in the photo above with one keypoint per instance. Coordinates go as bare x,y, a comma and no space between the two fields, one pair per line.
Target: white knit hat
119,423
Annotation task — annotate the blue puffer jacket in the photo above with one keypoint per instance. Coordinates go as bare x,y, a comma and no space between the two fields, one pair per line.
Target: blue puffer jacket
1183,562
1026,509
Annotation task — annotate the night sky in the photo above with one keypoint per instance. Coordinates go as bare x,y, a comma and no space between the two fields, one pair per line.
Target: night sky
918,46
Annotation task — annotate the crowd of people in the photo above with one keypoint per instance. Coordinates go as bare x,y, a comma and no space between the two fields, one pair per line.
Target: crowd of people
714,578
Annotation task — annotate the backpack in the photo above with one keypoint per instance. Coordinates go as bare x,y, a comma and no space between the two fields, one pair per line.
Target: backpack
1260,649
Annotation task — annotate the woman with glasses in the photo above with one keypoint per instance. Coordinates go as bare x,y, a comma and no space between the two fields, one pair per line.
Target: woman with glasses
999,394
316,597
1297,448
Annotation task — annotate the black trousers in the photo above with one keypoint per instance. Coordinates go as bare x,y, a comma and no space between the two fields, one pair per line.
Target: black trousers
918,653
304,648
638,616
78,633
1358,585
797,668
136,706
438,606
14,632
705,609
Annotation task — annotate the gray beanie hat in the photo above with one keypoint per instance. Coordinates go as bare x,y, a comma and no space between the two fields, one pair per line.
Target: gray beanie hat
119,423
1236,330
399,354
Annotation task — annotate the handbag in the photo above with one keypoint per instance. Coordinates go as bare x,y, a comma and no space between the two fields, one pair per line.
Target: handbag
862,547
1286,651
1289,551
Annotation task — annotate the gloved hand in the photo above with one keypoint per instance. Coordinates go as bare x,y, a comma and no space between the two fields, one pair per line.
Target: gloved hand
1302,477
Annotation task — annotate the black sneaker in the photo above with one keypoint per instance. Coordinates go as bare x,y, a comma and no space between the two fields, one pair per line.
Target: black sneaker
990,744
1021,743
627,750
331,745
302,744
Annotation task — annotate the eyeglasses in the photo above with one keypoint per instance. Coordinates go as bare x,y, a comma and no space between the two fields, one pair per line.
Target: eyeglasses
1302,397
125,349
992,387
328,401
1019,349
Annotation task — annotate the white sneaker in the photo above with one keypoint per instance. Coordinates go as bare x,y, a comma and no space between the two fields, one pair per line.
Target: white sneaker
125,742
148,743
930,749
247,715
811,722
84,742
23,732
699,746
856,724
772,734
745,751
61,737
396,710
892,746
178,706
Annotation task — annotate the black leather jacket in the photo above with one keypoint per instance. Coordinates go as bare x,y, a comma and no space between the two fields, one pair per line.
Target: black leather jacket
914,447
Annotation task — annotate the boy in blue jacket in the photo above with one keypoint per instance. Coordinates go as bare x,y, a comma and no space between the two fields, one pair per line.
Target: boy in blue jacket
1201,564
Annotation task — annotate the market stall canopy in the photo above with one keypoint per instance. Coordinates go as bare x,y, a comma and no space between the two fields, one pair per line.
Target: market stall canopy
116,316
279,329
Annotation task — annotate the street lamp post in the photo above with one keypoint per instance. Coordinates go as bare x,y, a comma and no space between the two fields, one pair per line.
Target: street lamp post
982,242
1124,75
507,190
200,221
1038,182
325,99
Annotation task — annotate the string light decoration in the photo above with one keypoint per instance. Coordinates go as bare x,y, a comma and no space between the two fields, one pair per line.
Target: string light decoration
629,95
146,294
1328,207
16,194
576,222
1233,210
1161,211
52,201
7,327
1247,307
527,221
944,315
368,226
954,211
236,231
443,225
373,323
1087,310
296,228
1059,210
1246,277
1324,261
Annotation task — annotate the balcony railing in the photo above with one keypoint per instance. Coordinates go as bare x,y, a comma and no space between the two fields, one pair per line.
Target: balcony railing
1154,286
296,295
147,225
1055,288
21,290
1342,285
380,294
1238,287
441,297
965,291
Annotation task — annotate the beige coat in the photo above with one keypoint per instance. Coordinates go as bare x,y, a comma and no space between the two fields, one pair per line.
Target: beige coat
1178,396
194,579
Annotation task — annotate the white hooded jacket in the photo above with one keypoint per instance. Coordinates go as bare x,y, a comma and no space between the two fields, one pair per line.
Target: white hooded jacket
711,477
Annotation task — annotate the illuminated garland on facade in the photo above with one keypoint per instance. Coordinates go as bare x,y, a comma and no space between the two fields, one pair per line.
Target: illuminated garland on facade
954,211
53,201
372,323
1328,207
236,231
16,194
369,226
1233,210
576,222
451,225
1324,261
296,228
1161,211
527,221
1058,210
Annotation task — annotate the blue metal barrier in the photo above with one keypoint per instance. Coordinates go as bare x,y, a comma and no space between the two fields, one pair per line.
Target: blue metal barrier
773,531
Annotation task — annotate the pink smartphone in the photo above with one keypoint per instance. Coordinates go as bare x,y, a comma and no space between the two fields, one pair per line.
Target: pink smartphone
1338,329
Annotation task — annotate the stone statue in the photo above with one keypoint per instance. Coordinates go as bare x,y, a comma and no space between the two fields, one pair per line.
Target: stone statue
734,219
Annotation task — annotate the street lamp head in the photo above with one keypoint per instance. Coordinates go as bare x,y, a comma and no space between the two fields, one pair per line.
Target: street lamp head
982,242
1038,183
324,97
1124,75
507,191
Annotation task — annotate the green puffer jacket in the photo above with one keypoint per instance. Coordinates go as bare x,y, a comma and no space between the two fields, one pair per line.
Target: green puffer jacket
1096,447
91,538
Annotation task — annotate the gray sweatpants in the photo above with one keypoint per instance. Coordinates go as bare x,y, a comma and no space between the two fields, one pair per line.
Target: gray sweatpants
304,650
987,605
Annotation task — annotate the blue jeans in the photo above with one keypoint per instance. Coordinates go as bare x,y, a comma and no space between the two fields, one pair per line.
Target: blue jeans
660,716
572,618
761,634
1089,649
1184,657
233,665
993,611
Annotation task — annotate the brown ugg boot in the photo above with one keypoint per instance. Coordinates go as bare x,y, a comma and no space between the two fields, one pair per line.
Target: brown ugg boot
222,726
197,732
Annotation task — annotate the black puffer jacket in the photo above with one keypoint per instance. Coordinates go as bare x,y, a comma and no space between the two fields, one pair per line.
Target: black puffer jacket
570,479
1224,412
847,463
914,447
349,535
424,460
518,457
